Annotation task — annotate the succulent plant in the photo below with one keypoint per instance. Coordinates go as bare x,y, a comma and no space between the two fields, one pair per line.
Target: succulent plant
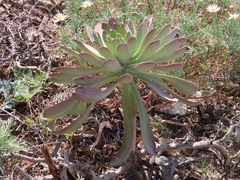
118,55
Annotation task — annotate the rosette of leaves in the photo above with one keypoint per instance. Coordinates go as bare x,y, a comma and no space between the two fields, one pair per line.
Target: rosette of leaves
118,55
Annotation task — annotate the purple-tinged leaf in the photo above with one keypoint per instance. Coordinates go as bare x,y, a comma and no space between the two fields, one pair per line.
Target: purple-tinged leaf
112,34
111,65
125,78
93,80
150,24
111,22
168,49
88,49
98,29
175,55
148,39
123,53
112,45
120,29
163,32
166,68
91,59
187,101
147,77
131,27
129,116
75,124
106,27
132,44
149,50
96,45
170,36
62,109
144,66
76,71
78,109
142,32
92,94
127,36
105,52
184,86
101,33
70,51
157,89
66,74
146,131
91,34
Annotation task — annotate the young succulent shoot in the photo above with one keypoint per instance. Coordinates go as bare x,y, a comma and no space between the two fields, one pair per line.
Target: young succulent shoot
119,54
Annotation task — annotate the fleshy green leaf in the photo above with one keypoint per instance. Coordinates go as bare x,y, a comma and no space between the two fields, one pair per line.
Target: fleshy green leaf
111,22
111,65
106,27
78,109
170,36
63,108
166,68
149,50
144,66
66,74
150,37
91,34
159,81
105,52
141,33
71,51
129,115
75,124
146,130
94,80
123,53
92,94
185,87
132,44
150,24
88,49
154,86
96,45
160,91
91,59
112,45
125,78
163,32
175,55
131,27
120,29
167,50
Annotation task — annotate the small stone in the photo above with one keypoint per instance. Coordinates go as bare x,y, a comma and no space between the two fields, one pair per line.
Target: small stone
205,116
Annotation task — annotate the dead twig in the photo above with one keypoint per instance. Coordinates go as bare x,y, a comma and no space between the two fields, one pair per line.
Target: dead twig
53,167
22,172
28,158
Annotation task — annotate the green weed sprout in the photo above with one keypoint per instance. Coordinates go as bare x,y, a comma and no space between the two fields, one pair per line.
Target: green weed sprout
118,55
9,143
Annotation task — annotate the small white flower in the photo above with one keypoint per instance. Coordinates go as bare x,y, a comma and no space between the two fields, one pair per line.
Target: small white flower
198,94
233,16
212,8
87,4
59,17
